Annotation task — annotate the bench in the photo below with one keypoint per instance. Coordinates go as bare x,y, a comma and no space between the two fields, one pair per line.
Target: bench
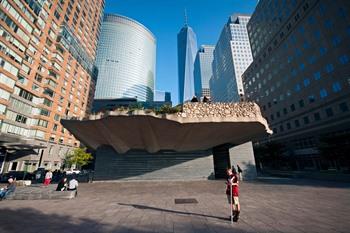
43,195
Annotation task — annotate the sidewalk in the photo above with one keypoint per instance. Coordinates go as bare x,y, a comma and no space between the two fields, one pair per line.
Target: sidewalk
275,205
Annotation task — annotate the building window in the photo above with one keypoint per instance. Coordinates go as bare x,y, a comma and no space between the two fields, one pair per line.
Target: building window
317,116
317,75
288,126
336,40
292,107
306,120
344,59
343,107
281,128
323,93
329,68
317,34
328,23
336,87
14,166
323,51
329,112
296,122
306,82
285,111
311,98
297,87
301,103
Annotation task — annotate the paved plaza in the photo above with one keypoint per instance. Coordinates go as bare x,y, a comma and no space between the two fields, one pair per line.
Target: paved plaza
268,205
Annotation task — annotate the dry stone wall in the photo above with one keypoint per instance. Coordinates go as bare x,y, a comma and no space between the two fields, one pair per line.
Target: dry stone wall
202,110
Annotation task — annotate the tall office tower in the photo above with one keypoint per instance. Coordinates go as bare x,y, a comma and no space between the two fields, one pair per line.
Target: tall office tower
300,73
126,60
186,54
46,73
203,70
232,55
162,96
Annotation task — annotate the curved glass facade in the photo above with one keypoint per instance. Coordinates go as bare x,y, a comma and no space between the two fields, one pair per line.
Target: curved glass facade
126,60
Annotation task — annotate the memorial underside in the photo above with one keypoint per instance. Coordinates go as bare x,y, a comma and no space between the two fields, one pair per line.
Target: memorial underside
196,143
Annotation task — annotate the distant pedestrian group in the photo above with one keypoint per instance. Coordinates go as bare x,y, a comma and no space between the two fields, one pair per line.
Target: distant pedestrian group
204,100
9,189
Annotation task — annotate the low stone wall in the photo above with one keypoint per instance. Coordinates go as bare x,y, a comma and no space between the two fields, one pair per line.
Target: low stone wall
203,110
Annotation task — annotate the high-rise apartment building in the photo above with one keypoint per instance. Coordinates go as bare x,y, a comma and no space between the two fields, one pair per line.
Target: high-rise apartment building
232,55
126,60
47,53
203,70
186,54
300,74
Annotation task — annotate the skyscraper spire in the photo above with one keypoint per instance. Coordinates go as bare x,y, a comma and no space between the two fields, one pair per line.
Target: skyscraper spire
185,15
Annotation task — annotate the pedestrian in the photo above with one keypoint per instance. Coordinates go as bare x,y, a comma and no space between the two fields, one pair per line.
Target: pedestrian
62,185
10,188
48,177
206,99
240,173
194,99
233,199
73,185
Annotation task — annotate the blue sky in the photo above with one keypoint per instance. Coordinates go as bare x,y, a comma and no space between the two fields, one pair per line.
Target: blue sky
165,19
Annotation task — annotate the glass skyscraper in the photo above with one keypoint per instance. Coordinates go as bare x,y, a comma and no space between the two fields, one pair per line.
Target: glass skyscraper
300,76
186,54
232,55
203,70
126,60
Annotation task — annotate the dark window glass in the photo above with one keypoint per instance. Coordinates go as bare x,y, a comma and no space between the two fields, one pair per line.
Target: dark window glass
311,98
281,128
306,82
323,93
329,112
344,107
278,114
285,111
336,87
336,40
296,122
329,68
306,120
288,126
292,107
301,103
323,51
344,59
317,75
317,116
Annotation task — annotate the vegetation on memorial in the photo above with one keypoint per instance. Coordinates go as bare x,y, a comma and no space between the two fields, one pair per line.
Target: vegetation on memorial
164,109
167,109
78,157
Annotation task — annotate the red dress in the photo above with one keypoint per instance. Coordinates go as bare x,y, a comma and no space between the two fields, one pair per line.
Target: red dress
235,191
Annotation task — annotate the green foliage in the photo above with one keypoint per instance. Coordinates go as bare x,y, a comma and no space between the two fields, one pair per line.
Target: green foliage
136,106
167,109
79,157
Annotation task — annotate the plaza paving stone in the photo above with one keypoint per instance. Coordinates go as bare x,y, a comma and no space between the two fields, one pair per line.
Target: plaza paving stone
268,205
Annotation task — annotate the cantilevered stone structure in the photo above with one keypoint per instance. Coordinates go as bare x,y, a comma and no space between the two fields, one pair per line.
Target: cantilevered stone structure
192,144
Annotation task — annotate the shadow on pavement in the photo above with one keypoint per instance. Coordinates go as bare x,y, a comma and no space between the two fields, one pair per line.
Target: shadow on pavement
30,220
144,207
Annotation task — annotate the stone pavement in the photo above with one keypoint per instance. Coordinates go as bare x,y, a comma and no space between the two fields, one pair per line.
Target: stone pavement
268,205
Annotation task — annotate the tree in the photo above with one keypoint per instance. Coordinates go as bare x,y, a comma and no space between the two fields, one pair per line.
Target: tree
79,157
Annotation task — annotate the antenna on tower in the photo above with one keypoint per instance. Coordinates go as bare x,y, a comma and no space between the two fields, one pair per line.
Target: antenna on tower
186,19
